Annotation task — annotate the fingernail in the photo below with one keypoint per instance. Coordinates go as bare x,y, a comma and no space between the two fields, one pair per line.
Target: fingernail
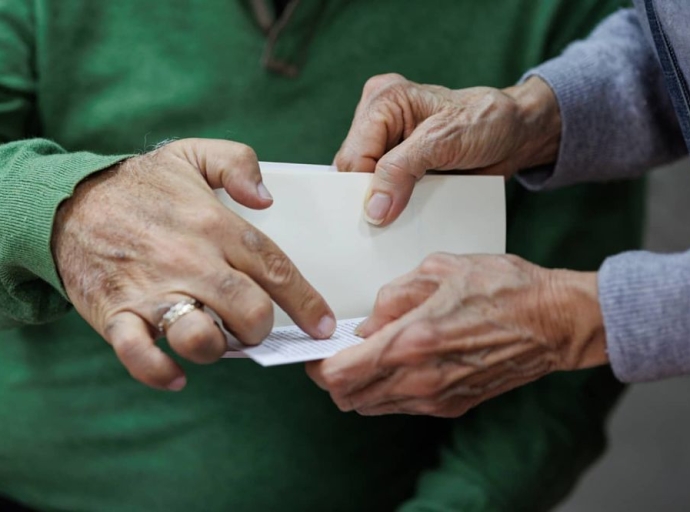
377,208
326,326
178,383
360,328
263,192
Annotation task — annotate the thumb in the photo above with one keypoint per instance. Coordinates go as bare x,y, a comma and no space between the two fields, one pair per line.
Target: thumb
394,179
228,165
396,299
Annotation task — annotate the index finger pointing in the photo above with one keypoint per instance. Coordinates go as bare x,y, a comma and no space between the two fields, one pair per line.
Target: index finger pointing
270,268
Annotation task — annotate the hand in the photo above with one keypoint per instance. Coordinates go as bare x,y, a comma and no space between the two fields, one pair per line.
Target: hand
402,129
460,330
139,237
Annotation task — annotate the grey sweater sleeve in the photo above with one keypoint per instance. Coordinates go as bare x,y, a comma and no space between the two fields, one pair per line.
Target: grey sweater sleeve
617,118
645,300
618,122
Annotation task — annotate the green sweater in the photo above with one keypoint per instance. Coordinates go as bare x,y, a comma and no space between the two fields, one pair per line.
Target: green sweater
82,78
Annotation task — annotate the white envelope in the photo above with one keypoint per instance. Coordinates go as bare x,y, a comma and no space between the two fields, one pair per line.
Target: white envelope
317,221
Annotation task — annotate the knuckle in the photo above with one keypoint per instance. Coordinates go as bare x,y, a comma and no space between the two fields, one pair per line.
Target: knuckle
343,160
397,173
377,82
386,296
230,286
253,240
259,313
279,269
436,263
246,154
513,262
335,381
341,403
381,113
209,220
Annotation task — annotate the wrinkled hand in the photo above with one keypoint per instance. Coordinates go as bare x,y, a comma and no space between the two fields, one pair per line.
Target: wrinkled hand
139,237
402,129
460,330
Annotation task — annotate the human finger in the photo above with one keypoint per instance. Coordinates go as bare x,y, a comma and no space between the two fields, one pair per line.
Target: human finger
245,309
366,384
451,403
396,299
396,175
355,367
464,377
130,336
377,125
229,165
263,261
196,337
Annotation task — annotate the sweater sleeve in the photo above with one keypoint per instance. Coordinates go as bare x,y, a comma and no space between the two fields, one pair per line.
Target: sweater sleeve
36,175
617,117
645,301
618,121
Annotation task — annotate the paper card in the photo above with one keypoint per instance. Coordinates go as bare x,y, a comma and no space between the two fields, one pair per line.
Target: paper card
317,221
288,344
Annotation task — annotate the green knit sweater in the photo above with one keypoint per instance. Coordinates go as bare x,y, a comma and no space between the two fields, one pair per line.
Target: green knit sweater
84,78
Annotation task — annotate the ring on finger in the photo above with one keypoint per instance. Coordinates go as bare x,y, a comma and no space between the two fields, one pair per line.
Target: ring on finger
176,312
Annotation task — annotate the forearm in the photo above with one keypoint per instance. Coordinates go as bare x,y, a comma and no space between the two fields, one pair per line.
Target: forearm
615,119
633,315
35,177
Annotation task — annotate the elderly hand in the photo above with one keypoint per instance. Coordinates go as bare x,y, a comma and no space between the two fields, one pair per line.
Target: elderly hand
148,233
402,129
460,330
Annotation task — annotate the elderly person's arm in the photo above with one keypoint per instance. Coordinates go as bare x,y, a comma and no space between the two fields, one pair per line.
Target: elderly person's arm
123,240
616,117
605,115
460,330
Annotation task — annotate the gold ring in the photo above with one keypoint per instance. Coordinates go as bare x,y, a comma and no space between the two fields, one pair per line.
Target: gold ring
176,312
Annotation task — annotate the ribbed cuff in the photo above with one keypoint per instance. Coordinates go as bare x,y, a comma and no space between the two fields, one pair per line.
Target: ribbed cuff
36,183
645,301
